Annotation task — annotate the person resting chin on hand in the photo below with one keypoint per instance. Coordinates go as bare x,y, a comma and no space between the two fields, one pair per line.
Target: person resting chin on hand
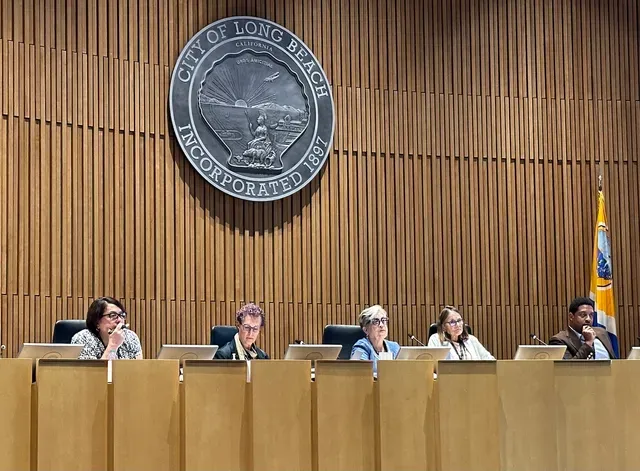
107,336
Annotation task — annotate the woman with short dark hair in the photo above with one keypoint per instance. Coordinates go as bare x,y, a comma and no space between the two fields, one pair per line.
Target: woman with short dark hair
107,336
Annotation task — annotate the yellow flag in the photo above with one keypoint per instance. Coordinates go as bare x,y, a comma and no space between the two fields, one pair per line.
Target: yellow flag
602,276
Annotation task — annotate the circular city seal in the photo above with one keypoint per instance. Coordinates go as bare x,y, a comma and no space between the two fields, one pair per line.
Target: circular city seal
252,108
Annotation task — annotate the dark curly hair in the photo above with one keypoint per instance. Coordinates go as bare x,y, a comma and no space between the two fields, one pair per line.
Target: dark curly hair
581,301
251,310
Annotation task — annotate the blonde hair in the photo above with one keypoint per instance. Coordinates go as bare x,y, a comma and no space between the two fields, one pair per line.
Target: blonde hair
364,319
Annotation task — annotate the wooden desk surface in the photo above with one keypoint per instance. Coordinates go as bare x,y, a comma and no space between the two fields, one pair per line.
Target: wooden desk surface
15,411
503,415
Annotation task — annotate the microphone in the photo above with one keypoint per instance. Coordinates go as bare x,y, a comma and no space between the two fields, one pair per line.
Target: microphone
535,337
299,342
412,337
2,349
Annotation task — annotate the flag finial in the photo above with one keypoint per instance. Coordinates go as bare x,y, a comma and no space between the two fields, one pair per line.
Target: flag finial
600,182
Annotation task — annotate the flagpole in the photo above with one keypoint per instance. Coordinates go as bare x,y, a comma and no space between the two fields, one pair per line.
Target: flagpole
599,181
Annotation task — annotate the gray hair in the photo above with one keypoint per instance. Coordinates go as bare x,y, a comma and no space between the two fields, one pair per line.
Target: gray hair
367,315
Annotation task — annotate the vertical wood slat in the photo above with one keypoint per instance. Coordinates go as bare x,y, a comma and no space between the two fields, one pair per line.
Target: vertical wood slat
463,171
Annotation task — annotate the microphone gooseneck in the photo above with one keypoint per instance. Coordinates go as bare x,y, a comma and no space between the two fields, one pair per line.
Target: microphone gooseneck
535,337
412,337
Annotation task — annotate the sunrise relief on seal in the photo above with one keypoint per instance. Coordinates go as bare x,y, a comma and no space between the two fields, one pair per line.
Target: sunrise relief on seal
256,106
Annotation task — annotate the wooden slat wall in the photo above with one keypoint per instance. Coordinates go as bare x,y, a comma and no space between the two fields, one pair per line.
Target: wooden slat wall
464,169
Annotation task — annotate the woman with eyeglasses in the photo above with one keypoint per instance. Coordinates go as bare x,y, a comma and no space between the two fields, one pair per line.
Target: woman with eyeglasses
106,336
451,333
375,324
249,320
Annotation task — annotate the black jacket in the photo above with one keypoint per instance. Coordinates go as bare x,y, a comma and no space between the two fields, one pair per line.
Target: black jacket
226,352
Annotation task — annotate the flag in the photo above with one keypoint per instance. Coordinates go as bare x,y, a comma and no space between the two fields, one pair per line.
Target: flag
601,291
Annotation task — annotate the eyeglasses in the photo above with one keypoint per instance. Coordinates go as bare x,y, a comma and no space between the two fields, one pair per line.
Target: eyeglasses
247,328
114,315
455,322
380,321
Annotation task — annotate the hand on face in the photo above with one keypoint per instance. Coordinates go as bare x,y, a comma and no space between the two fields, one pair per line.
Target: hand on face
111,324
589,334
582,321
116,337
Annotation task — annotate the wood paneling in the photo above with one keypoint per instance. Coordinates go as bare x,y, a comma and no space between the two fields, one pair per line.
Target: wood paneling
468,142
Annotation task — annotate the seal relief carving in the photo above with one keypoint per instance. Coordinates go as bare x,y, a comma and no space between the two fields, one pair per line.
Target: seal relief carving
252,108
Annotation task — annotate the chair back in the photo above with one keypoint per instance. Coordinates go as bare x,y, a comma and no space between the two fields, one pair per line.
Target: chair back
433,329
345,335
65,329
223,334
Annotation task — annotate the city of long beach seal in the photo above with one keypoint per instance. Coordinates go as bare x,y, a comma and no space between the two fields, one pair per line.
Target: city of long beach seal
252,108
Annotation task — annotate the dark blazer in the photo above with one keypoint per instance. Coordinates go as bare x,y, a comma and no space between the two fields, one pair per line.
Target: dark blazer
226,352
576,350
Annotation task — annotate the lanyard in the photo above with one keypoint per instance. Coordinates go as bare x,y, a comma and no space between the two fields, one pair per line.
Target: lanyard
461,352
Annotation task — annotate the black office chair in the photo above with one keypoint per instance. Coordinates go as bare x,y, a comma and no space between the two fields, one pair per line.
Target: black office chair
223,334
345,335
64,329
434,329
